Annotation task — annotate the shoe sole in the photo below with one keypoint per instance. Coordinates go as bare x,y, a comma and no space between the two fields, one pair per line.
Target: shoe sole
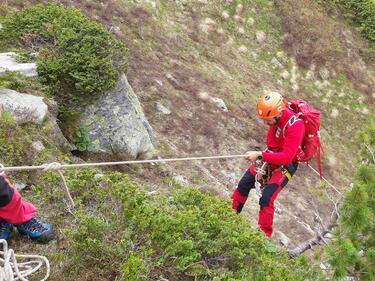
45,238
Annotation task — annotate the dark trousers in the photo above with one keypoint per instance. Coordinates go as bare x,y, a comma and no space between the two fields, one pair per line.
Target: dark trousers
278,179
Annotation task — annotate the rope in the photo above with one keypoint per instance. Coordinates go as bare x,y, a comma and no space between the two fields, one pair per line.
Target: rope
323,178
11,270
57,166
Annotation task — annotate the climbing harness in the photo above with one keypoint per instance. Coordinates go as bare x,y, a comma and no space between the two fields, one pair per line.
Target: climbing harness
12,270
262,170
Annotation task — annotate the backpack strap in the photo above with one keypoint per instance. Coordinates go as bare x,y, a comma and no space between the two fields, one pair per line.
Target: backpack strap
290,122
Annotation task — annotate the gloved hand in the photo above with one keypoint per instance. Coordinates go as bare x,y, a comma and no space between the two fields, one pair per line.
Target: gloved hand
238,201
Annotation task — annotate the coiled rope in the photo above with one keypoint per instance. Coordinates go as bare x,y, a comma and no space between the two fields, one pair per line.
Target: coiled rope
11,270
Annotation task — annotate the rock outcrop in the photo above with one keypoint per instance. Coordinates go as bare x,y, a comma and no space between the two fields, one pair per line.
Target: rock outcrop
117,124
23,108
8,62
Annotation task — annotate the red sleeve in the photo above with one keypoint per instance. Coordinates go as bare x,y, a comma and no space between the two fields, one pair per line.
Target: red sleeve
293,140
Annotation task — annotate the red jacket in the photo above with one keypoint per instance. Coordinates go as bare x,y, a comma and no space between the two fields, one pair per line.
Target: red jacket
284,139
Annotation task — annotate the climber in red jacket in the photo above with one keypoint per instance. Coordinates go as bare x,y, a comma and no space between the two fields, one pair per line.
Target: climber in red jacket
284,140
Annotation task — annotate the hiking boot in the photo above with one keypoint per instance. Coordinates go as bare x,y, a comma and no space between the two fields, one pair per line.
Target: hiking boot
5,229
36,230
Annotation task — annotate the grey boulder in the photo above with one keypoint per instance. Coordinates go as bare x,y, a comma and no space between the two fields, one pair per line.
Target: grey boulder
23,108
117,124
8,62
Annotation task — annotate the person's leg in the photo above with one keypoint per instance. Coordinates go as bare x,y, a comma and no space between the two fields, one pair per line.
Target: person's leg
270,192
12,208
15,211
241,193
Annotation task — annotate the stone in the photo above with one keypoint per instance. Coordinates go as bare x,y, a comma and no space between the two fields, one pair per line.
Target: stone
242,49
332,161
157,81
23,108
230,41
115,28
329,235
321,85
219,103
309,75
204,96
180,180
209,21
282,239
334,113
8,62
225,15
261,37
230,176
281,55
162,108
250,22
241,30
365,111
117,124
285,74
239,8
254,55
237,18
276,63
173,81
38,146
220,31
98,176
295,87
324,73
20,186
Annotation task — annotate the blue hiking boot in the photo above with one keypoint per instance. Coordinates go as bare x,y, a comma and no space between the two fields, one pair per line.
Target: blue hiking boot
36,230
5,229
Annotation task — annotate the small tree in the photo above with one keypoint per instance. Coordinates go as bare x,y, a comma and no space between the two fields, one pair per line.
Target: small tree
353,250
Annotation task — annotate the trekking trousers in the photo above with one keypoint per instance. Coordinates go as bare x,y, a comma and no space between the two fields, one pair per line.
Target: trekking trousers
12,208
278,179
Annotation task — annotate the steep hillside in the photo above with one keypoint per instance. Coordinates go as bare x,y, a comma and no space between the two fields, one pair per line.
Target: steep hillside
186,56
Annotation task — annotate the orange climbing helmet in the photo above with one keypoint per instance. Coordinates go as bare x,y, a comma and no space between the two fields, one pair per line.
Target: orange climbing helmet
270,105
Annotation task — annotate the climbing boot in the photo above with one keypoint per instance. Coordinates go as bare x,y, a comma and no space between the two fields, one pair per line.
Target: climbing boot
36,230
5,229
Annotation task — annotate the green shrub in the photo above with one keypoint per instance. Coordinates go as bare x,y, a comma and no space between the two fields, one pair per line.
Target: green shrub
82,140
363,12
12,80
357,216
77,57
185,236
15,148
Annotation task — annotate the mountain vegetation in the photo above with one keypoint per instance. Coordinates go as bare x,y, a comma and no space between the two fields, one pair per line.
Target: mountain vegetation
141,222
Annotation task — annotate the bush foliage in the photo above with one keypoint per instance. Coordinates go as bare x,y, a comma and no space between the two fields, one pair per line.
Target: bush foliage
77,58
186,235
353,252
364,15
15,140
